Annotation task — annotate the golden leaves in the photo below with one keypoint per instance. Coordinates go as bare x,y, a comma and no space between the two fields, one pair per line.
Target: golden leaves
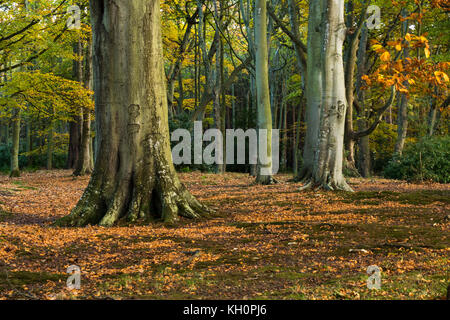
268,240
386,56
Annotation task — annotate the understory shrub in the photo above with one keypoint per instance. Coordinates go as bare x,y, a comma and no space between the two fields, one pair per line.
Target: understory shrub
426,160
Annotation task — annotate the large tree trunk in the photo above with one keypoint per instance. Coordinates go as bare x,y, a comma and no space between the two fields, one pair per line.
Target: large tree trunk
133,176
15,171
264,174
329,143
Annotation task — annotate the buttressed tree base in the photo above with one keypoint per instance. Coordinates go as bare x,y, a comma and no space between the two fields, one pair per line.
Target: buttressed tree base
134,177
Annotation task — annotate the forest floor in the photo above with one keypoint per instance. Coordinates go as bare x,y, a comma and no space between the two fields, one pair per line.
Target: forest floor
267,242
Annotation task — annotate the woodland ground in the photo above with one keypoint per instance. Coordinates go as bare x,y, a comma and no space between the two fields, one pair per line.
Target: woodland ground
267,242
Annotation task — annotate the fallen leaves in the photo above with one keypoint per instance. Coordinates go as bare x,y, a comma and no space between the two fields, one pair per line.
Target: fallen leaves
266,241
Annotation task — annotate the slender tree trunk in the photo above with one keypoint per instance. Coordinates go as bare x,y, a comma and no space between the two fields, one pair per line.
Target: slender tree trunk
296,150
313,88
84,164
264,174
364,154
402,107
251,112
350,65
15,171
134,176
175,68
364,159
218,112
75,126
50,146
29,140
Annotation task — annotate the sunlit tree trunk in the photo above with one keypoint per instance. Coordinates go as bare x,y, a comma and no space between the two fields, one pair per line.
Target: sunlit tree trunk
84,164
134,176
327,144
264,174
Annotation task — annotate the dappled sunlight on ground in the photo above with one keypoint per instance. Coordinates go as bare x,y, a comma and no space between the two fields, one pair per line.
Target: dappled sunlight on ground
265,242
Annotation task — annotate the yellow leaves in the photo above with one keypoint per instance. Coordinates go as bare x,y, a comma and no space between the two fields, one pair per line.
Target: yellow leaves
427,52
396,44
441,77
408,37
386,56
377,48
366,79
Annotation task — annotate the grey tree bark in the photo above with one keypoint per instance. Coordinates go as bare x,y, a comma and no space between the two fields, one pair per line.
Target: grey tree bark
264,174
326,98
134,177
350,65
84,163
313,88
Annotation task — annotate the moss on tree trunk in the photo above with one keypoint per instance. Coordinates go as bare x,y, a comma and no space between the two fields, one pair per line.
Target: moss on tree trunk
133,177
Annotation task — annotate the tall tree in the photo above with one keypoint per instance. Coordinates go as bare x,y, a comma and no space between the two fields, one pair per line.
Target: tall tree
133,176
326,98
84,162
264,174
402,107
15,170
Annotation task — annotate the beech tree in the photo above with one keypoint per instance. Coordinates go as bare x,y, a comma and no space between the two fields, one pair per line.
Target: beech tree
262,90
326,99
133,176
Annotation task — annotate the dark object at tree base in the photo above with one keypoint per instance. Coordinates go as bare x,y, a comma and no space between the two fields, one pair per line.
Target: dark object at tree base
265,180
14,174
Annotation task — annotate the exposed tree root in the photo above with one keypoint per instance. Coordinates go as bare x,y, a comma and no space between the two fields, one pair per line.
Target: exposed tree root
330,185
132,203
304,175
350,169
265,180
82,172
